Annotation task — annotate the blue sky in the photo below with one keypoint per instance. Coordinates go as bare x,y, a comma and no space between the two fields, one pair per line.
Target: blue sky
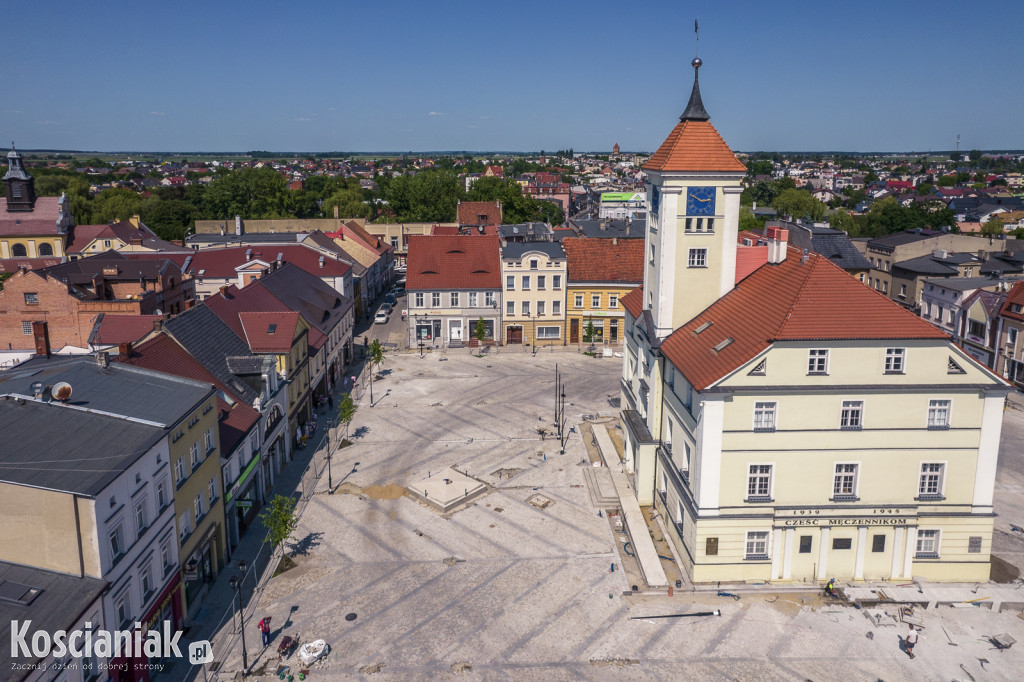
375,75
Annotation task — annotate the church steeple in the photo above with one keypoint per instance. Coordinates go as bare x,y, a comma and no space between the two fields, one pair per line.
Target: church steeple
695,110
19,186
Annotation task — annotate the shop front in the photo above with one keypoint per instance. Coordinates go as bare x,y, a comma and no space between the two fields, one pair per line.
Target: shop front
166,608
242,501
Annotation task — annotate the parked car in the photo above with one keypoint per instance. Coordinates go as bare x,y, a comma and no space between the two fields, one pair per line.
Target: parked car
382,315
389,299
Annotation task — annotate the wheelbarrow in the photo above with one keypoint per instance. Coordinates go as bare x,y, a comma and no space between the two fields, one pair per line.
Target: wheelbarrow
1003,641
287,646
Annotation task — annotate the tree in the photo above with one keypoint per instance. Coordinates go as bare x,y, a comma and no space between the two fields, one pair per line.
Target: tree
252,193
925,188
974,154
168,218
280,520
842,220
346,411
748,221
956,156
376,358
993,227
481,331
350,203
589,332
115,204
798,203
4,276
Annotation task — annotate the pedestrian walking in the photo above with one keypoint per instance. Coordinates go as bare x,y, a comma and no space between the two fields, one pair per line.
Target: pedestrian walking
910,641
330,401
264,627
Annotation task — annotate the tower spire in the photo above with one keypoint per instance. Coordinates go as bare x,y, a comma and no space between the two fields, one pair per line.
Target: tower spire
695,110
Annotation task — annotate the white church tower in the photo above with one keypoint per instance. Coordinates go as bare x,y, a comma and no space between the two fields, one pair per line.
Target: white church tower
693,218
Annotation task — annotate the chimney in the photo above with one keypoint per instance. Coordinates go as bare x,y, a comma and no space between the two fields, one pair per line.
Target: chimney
158,325
238,225
41,336
101,359
124,350
336,214
615,241
280,258
224,290
135,220
248,254
604,224
777,247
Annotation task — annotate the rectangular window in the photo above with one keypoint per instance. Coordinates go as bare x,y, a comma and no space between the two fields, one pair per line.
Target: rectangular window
805,544
117,546
453,299
179,471
473,299
757,544
165,556
435,299
197,507
31,298
578,303
124,609
689,224
419,300
510,282
651,261
556,281
817,361
184,526
510,307
711,224
894,358
556,307
548,332
938,414
613,301
852,414
930,483
394,242
759,481
161,496
489,299
526,282
844,483
26,328
927,544
208,440
540,307
542,281
526,307
533,263
764,416
877,543
212,492
140,517
595,300
194,451
146,580
1011,337
698,258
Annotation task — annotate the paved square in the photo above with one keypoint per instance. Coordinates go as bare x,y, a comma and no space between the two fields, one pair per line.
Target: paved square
506,588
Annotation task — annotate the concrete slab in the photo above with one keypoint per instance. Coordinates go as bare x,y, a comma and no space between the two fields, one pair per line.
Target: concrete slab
636,525
447,489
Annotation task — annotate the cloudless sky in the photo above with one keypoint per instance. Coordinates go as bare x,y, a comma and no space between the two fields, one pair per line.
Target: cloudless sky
402,75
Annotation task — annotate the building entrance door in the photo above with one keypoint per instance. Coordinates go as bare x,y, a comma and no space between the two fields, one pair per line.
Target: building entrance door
455,330
574,331
513,335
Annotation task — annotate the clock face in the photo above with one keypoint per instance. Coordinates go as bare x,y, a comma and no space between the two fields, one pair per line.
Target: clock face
700,201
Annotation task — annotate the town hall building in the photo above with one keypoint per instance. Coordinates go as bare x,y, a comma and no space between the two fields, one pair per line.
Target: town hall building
789,423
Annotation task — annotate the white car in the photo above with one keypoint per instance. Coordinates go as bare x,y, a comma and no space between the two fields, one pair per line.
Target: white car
382,315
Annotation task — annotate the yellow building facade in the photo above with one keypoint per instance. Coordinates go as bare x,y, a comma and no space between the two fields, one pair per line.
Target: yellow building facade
533,276
788,423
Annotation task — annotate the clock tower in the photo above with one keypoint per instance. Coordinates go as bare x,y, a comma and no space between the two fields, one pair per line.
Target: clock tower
692,218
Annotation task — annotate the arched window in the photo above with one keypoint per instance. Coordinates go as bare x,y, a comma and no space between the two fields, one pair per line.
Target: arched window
19,251
45,250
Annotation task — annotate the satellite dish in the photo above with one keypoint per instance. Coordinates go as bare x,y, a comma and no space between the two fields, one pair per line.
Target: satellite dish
61,391
37,388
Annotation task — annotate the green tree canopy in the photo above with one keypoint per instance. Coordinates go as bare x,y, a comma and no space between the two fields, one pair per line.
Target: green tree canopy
799,203
252,193
993,227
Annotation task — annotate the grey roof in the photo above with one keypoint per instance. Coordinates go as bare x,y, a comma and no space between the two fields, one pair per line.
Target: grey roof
968,283
231,239
839,249
524,229
321,305
66,447
635,229
252,364
891,241
930,265
117,389
62,600
211,342
517,249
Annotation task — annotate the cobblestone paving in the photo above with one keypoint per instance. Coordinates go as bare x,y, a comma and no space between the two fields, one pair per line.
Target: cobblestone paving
529,594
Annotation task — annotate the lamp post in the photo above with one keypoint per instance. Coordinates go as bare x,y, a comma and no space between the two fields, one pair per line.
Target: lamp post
236,583
330,451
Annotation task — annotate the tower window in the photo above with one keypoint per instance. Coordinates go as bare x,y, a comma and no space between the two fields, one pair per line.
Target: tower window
698,258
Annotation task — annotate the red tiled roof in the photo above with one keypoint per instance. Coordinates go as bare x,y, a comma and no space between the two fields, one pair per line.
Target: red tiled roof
634,302
604,260
445,231
1014,297
793,300
162,354
269,332
462,262
252,298
749,259
41,220
221,263
123,328
694,146
470,211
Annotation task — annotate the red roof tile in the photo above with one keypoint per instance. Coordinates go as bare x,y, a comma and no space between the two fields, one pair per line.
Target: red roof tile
694,146
793,300
470,213
1014,297
123,328
162,354
221,263
233,301
634,302
462,262
14,264
41,220
749,259
269,332
604,260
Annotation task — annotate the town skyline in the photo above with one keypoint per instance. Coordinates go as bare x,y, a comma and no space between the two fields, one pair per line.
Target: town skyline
420,81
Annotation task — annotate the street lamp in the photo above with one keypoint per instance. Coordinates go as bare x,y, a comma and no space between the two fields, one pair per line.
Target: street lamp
236,583
330,450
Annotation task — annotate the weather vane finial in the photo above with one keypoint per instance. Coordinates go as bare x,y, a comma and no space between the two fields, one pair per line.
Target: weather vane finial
696,29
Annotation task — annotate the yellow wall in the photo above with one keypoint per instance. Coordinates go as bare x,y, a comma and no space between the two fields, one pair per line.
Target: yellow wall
604,313
32,245
41,524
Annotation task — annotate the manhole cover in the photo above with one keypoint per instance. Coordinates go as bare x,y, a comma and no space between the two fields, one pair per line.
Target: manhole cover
351,616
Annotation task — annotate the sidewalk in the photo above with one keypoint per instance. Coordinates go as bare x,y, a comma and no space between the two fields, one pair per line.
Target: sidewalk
216,619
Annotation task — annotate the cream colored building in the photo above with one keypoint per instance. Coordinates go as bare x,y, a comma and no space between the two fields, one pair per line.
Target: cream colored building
790,424
534,277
